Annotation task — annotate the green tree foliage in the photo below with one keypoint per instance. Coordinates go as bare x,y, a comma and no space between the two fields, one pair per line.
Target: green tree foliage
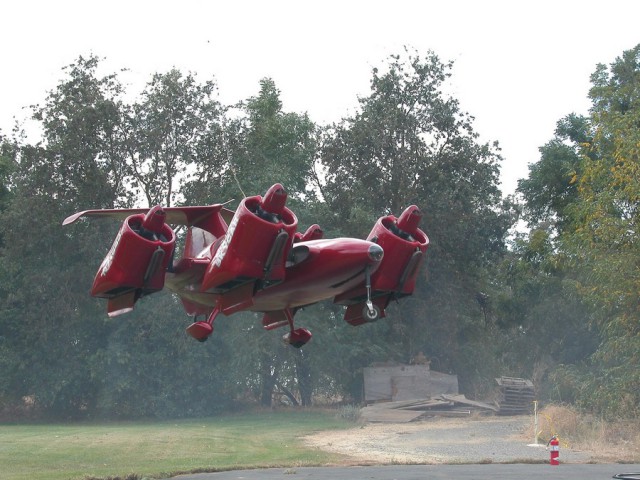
409,143
8,353
585,190
82,139
605,238
541,312
262,145
58,346
541,316
551,187
7,156
280,146
607,217
176,124
45,311
149,366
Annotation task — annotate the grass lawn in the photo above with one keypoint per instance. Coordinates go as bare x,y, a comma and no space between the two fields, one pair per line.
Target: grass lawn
159,449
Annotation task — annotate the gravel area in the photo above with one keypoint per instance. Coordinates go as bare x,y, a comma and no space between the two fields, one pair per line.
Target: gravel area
443,440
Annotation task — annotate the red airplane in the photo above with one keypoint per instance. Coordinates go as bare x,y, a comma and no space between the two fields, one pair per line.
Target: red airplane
255,260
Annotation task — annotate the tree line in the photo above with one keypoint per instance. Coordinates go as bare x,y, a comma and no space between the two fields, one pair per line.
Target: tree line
558,303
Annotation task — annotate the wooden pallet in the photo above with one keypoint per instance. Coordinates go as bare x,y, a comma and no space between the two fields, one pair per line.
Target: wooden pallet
516,396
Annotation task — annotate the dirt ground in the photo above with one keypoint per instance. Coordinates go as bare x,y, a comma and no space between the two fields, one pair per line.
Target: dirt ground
444,440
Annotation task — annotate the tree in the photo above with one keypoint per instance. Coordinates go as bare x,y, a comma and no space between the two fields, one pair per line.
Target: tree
7,157
175,125
586,188
63,351
544,317
409,143
604,241
551,188
9,356
46,315
263,145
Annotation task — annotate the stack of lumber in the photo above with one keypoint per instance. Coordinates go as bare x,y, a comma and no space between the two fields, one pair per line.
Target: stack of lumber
413,410
516,396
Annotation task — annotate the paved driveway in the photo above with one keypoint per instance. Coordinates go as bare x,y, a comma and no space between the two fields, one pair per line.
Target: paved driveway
427,472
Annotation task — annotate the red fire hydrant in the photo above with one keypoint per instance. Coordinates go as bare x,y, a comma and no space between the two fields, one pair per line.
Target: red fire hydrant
554,454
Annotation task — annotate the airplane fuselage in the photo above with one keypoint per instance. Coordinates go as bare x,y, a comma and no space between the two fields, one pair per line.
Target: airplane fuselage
320,270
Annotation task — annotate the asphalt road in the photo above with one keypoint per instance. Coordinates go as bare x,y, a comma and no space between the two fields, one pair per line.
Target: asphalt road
427,472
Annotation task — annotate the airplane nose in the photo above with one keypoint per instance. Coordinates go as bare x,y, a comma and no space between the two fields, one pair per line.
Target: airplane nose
375,252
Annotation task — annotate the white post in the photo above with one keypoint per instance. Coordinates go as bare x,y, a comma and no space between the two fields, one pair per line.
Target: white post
535,426
535,422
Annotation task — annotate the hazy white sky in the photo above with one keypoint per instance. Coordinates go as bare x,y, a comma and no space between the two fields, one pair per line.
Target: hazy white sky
519,66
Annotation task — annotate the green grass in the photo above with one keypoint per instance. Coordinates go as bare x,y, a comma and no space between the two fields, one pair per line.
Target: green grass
157,449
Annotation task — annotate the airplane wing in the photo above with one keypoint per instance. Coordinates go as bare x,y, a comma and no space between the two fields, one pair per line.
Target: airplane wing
189,216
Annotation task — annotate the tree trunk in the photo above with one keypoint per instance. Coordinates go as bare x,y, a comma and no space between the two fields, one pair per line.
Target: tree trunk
269,377
305,386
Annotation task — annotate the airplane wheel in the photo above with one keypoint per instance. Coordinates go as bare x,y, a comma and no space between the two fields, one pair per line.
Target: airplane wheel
371,315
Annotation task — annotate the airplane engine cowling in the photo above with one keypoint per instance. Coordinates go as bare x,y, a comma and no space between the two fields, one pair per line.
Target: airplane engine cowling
255,246
138,258
404,245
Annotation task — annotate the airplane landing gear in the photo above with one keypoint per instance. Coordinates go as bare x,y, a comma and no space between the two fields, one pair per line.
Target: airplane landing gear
370,313
202,330
298,337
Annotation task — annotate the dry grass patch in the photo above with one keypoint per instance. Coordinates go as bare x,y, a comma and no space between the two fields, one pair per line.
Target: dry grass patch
611,441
